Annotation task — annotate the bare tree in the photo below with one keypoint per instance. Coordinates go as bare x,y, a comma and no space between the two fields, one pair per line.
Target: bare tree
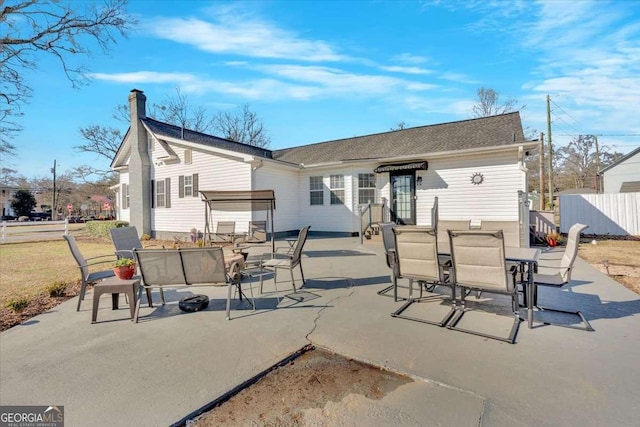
242,125
401,125
100,140
489,103
177,110
577,165
32,28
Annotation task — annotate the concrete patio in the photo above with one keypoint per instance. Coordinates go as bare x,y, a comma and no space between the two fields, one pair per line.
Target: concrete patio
172,363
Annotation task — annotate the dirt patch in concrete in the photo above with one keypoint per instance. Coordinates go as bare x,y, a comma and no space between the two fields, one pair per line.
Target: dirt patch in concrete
312,380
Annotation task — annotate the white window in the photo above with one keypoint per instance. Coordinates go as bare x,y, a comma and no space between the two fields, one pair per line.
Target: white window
316,190
336,184
366,188
188,185
160,194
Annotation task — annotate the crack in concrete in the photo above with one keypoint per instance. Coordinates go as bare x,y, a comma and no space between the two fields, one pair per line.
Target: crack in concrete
315,321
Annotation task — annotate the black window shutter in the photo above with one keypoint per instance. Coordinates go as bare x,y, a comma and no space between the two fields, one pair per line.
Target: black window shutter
195,185
167,192
153,194
181,186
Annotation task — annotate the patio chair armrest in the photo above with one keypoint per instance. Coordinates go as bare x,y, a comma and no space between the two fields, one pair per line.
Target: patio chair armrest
111,256
286,249
106,261
269,255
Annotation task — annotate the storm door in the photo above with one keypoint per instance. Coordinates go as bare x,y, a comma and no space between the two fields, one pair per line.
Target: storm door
403,197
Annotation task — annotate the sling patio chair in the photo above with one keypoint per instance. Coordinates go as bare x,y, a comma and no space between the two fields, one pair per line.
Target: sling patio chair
479,264
225,232
257,232
125,240
389,243
84,264
272,261
562,276
416,253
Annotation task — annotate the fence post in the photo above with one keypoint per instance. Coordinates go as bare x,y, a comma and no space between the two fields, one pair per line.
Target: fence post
4,231
66,226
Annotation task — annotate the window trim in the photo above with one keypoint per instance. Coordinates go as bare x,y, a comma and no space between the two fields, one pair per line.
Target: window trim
373,188
315,191
335,199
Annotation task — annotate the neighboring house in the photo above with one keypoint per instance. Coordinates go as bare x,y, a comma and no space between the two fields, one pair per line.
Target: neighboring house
475,167
6,197
623,175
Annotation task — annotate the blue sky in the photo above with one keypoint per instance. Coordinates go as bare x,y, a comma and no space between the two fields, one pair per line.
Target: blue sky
317,71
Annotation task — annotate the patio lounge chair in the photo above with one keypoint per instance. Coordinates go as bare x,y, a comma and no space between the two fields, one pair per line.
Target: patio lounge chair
563,276
417,259
288,261
479,263
86,276
225,232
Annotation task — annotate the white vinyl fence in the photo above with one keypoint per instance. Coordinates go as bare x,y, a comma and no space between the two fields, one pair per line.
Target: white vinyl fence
617,214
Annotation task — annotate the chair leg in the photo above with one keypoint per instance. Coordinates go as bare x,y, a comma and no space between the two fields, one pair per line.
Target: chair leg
411,300
83,287
293,282
302,273
587,326
229,285
511,339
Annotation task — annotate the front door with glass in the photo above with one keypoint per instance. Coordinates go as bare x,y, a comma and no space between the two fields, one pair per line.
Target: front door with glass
403,198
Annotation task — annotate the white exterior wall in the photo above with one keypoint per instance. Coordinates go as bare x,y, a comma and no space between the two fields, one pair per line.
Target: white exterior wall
328,217
458,199
628,170
214,173
283,180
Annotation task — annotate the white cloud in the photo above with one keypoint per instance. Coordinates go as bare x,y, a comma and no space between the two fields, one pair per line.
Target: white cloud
241,34
145,77
405,70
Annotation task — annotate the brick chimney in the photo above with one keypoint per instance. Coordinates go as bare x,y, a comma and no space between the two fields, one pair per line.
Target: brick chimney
139,166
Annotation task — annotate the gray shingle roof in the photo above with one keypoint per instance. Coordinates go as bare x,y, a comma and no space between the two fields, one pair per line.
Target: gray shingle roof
161,128
505,129
474,133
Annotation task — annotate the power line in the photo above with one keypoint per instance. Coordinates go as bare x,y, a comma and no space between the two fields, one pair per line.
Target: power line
574,119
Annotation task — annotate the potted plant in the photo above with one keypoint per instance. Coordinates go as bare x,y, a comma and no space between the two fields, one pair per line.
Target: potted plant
124,268
553,238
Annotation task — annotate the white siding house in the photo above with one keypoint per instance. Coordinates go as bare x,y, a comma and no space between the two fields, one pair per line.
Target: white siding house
475,168
622,176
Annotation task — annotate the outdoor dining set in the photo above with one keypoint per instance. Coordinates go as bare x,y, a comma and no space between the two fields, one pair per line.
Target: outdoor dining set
468,260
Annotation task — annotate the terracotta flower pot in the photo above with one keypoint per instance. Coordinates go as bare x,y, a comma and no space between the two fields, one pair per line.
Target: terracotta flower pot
126,272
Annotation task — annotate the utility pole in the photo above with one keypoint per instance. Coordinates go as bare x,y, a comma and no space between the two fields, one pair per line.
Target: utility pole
550,171
597,165
53,199
541,172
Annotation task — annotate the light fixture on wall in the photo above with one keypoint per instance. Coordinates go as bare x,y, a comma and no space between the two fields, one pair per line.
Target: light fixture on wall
419,180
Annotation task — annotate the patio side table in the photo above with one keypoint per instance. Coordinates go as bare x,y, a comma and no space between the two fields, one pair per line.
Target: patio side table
115,287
